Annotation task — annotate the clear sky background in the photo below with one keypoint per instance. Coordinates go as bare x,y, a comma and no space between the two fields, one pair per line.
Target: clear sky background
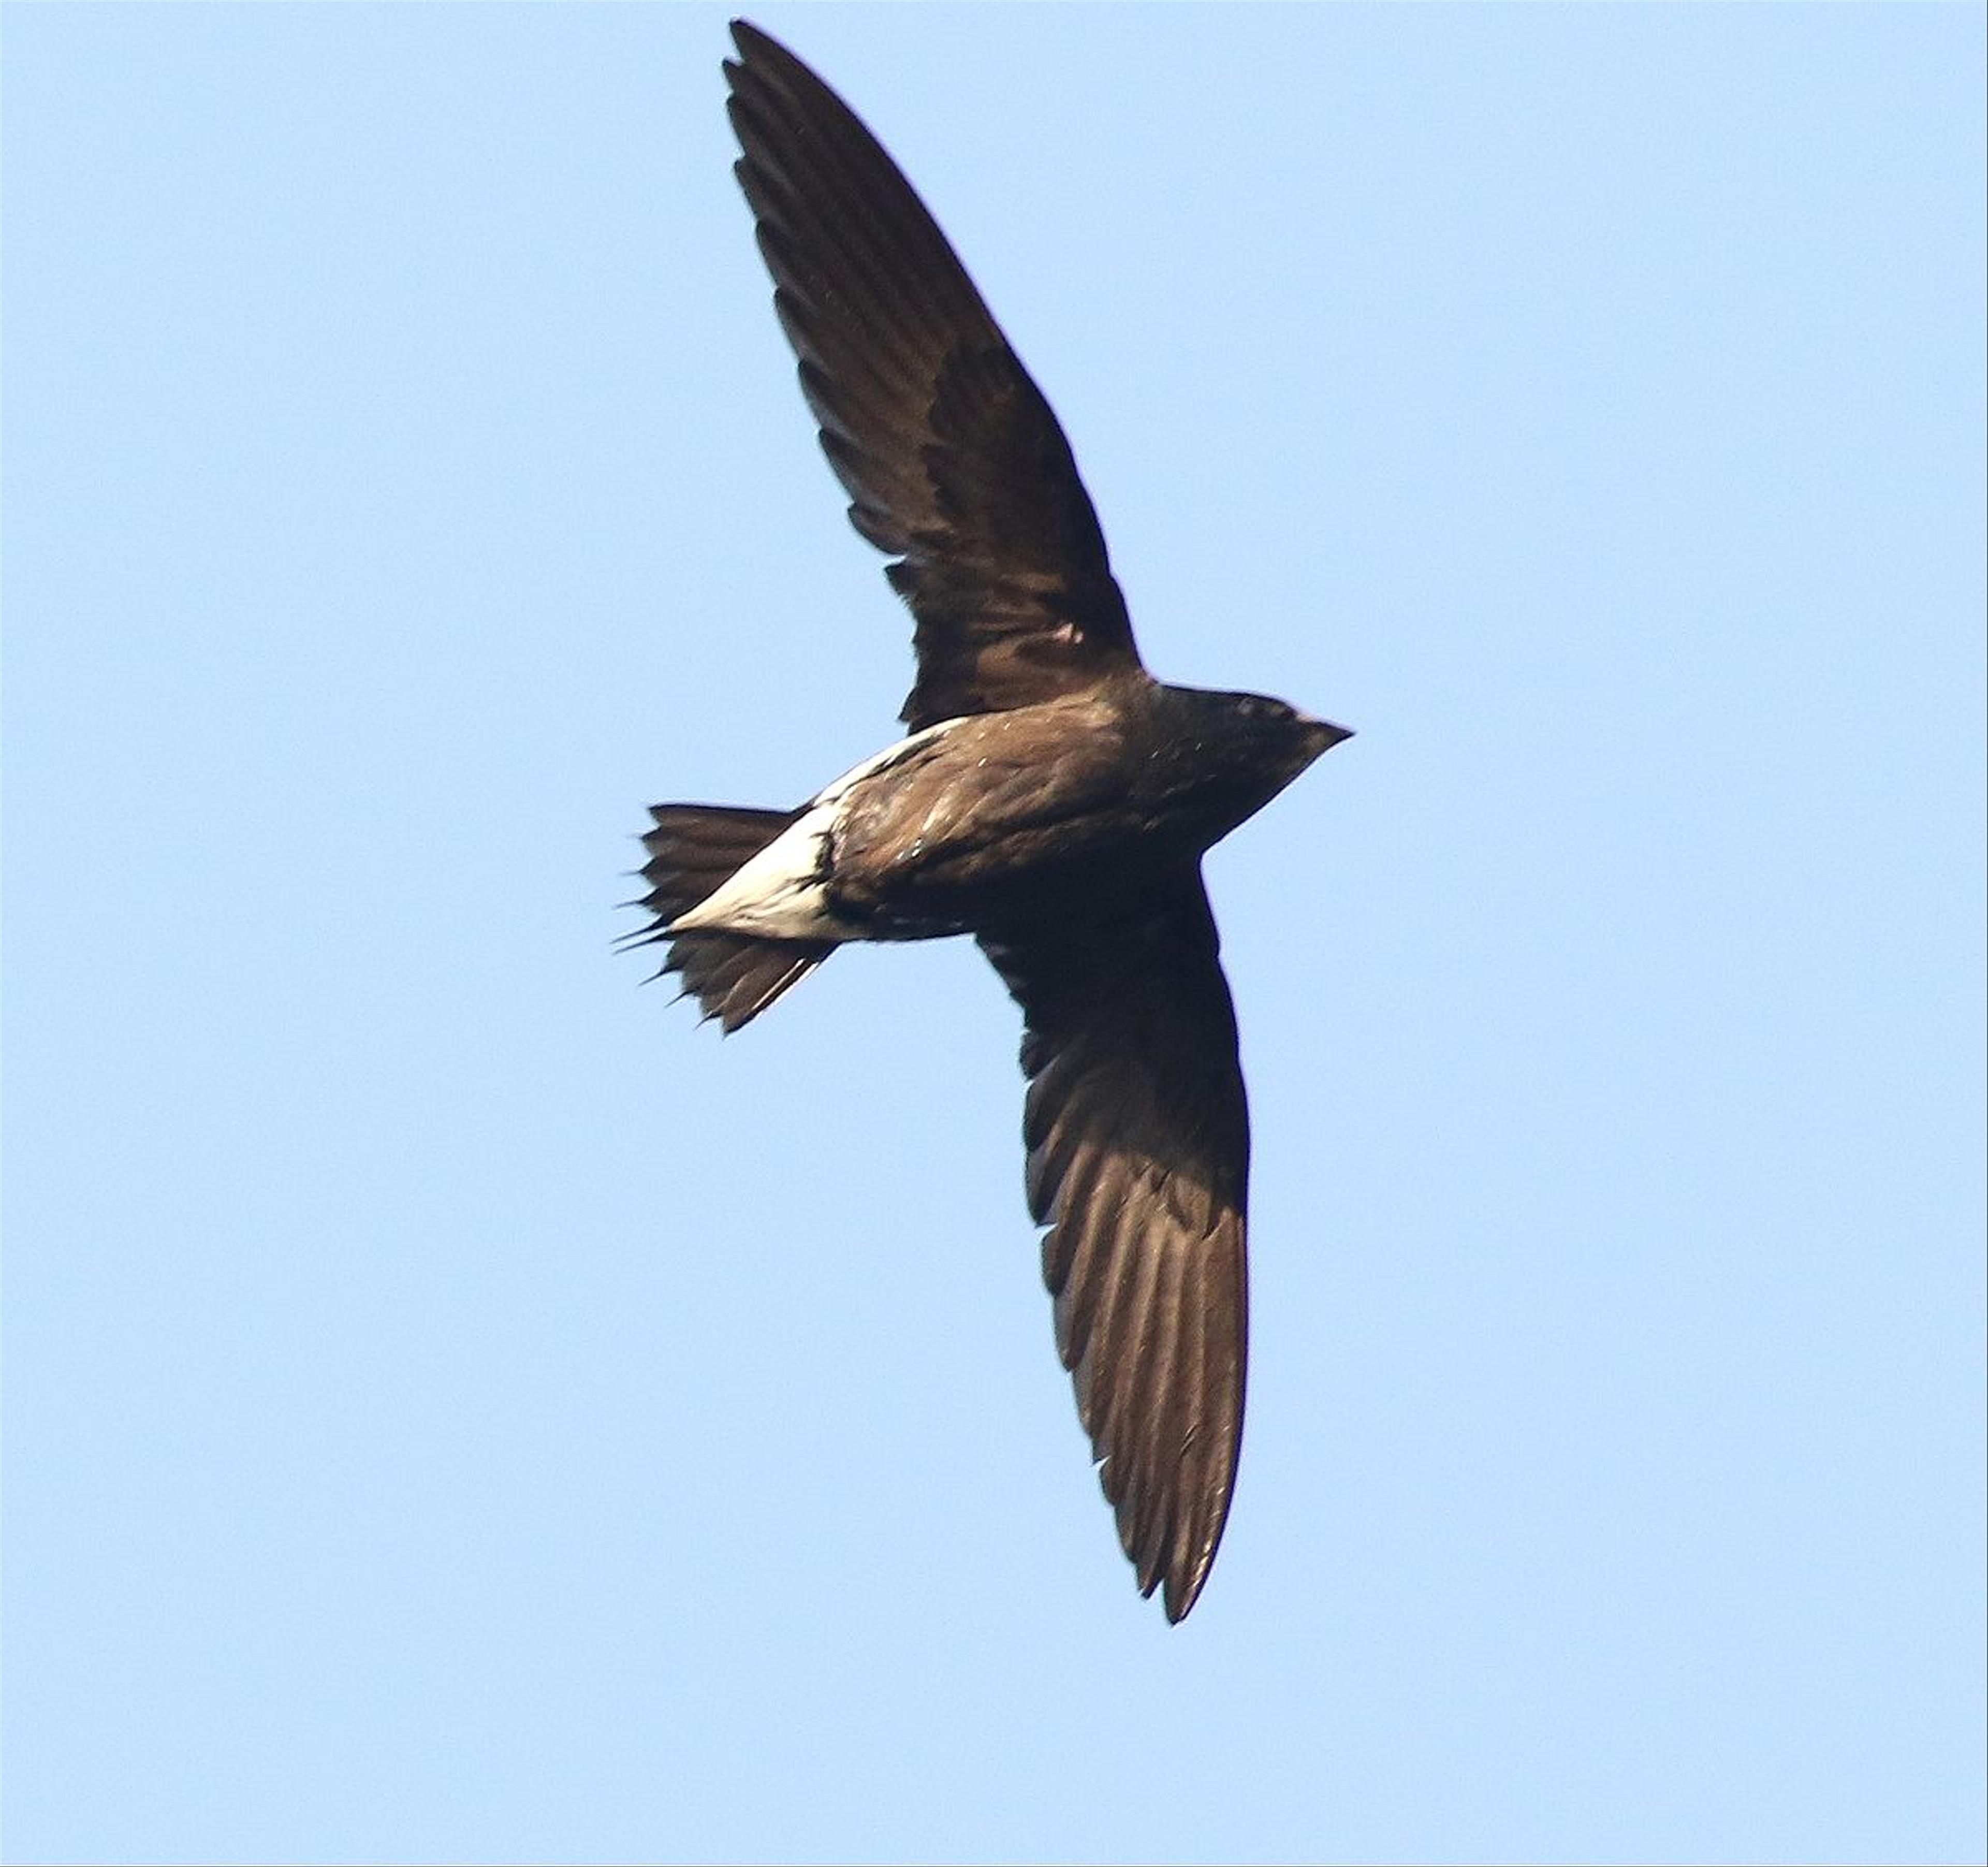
458,1409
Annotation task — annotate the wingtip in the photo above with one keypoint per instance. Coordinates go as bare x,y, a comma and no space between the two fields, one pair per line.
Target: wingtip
750,40
1159,1572
1178,1596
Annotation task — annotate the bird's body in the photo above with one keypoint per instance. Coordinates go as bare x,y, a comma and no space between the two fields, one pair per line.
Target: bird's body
1052,800
1005,820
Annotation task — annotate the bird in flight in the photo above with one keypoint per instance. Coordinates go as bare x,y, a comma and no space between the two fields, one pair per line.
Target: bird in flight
1052,800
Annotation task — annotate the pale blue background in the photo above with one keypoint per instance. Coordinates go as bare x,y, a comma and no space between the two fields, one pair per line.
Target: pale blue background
458,1409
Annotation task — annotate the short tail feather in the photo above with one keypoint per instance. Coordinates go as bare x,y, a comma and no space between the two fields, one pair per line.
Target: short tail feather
692,850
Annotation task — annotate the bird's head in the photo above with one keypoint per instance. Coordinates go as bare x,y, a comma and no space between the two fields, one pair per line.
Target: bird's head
1277,727
1252,731
1232,753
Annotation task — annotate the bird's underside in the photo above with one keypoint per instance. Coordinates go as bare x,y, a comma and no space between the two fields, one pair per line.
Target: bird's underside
1052,800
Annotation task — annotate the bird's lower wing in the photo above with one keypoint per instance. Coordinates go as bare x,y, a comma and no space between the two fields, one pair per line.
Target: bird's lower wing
1138,1143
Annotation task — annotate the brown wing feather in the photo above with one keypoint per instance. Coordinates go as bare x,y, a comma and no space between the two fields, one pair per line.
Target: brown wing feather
954,461
1138,1140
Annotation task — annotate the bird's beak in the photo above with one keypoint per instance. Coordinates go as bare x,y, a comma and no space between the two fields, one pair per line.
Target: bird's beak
1324,734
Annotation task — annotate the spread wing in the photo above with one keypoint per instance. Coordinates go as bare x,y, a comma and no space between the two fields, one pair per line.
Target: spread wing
953,461
1138,1141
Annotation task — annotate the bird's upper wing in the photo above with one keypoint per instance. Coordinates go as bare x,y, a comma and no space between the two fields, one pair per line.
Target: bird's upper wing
1138,1141
954,461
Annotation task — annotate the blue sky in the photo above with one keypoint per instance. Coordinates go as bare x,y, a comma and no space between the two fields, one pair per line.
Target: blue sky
458,1409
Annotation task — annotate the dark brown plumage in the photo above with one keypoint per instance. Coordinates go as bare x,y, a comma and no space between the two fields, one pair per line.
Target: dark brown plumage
953,460
1053,800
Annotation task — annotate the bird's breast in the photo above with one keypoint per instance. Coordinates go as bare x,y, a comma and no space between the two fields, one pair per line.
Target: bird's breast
994,817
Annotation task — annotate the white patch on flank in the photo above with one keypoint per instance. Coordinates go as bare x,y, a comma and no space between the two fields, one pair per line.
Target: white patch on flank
781,893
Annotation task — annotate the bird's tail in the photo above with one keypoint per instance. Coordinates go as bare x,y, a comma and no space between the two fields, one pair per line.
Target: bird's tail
692,850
